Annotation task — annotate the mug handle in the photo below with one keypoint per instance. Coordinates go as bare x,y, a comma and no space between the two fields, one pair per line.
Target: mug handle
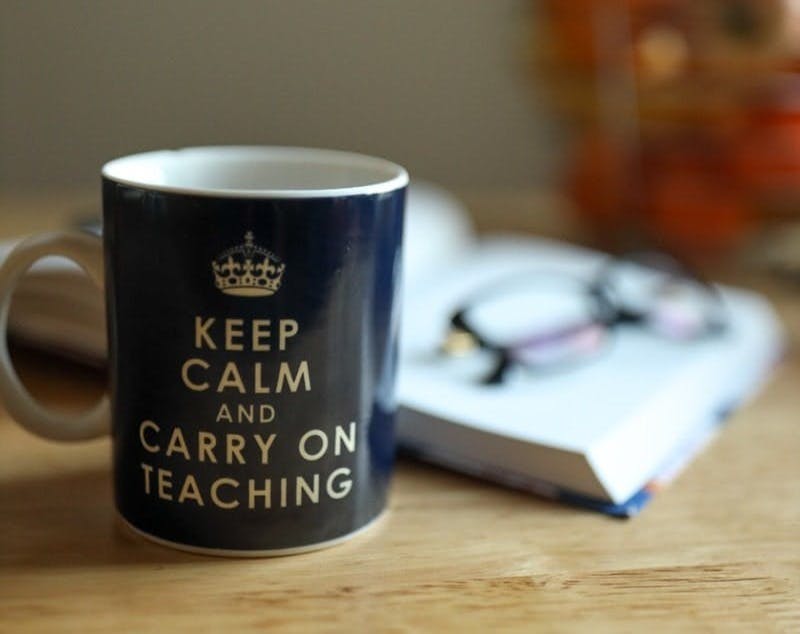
87,251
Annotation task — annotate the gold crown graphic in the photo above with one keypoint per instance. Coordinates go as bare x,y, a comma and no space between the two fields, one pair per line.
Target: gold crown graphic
248,270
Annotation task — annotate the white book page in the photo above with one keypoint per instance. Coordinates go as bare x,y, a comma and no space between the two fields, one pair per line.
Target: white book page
579,406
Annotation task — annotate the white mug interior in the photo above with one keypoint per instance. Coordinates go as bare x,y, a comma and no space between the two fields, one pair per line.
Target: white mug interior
257,171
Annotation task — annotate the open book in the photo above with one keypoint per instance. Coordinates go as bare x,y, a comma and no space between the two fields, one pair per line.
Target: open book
603,433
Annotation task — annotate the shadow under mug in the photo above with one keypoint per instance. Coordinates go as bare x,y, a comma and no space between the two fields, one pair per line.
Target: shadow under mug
252,310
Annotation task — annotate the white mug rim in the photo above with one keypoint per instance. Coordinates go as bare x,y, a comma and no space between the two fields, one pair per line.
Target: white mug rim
136,170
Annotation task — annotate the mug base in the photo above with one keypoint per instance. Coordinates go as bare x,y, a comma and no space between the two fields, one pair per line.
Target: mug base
272,552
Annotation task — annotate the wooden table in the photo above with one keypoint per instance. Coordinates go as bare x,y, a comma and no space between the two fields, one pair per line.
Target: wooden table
718,550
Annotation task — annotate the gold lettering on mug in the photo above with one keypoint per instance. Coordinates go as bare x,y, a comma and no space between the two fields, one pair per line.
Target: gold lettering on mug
164,484
233,448
190,491
264,413
347,439
205,446
265,446
288,328
344,485
215,487
265,492
235,332
206,442
322,445
261,333
342,438
201,335
189,363
231,378
189,443
311,491
178,444
148,424
285,375
287,379
260,388
226,493
148,470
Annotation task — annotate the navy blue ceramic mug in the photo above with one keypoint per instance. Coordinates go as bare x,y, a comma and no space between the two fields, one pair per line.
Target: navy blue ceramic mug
252,304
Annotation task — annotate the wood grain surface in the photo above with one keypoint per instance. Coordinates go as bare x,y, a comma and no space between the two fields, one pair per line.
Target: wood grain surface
719,550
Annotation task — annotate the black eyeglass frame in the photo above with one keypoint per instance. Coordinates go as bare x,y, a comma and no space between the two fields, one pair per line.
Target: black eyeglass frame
605,311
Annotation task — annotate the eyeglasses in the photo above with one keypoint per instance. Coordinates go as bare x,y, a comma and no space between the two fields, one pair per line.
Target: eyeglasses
540,322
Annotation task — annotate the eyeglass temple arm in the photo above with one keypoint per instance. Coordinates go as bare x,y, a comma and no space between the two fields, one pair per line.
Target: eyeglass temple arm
458,322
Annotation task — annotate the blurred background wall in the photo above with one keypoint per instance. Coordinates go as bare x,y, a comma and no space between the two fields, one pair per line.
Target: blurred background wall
440,86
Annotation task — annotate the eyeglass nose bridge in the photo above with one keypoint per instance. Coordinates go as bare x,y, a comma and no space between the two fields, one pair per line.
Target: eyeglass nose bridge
606,311
612,313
